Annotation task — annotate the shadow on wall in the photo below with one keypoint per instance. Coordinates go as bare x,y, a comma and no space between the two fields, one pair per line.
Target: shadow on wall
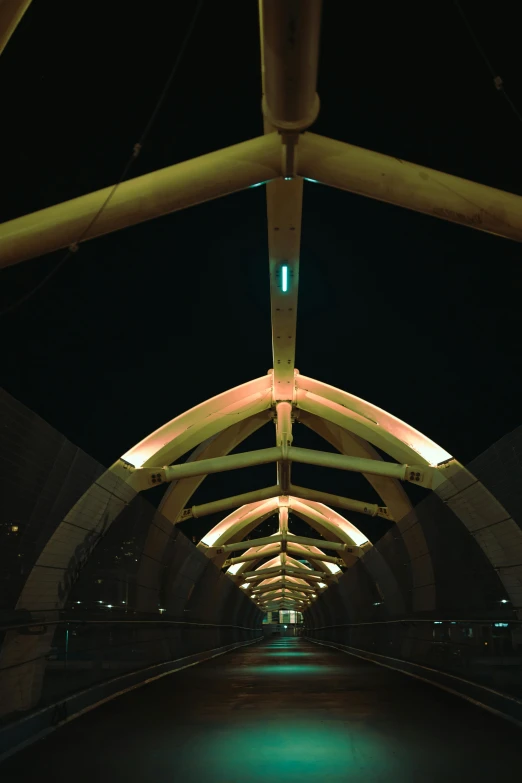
108,613
428,593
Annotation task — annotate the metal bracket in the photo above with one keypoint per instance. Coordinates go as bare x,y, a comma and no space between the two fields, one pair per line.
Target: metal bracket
185,513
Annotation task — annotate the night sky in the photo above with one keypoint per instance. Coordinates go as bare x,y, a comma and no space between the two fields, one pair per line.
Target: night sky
419,316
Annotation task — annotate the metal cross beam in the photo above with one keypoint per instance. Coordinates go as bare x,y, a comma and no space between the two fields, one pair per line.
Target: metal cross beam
369,509
238,545
290,548
416,474
304,573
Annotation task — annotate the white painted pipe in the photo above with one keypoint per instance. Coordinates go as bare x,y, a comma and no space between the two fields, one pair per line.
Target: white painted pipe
279,537
372,509
290,31
205,467
327,459
408,185
234,502
159,193
284,423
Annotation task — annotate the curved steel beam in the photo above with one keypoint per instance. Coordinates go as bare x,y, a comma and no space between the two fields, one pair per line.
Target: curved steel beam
151,564
92,515
189,429
331,525
179,492
338,526
388,433
389,490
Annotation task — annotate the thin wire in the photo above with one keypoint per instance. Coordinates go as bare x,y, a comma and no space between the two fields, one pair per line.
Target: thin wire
497,80
72,249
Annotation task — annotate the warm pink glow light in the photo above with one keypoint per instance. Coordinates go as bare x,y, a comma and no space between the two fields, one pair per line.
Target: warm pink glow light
226,407
237,520
330,395
325,513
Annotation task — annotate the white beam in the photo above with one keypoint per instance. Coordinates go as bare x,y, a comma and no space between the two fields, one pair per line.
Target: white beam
289,60
231,502
237,545
284,207
276,548
417,474
202,467
312,555
179,492
370,509
252,556
408,185
296,586
263,573
143,198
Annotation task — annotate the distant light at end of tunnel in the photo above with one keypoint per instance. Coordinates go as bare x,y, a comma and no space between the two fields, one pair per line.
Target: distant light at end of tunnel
504,601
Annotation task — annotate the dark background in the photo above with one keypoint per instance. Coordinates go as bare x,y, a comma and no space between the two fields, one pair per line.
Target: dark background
419,316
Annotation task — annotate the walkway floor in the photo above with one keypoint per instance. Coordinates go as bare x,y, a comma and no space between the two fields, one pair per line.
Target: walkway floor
281,711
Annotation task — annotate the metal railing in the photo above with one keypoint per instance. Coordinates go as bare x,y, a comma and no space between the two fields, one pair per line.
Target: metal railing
80,652
486,652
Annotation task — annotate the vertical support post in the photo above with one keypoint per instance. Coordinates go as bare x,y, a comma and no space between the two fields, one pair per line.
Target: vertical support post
289,60
290,56
284,424
284,200
283,527
66,644
284,439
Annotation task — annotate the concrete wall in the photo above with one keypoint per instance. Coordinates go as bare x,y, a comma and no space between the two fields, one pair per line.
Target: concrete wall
101,611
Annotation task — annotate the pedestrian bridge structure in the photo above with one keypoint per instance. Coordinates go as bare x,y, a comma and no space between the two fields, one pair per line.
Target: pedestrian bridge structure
439,597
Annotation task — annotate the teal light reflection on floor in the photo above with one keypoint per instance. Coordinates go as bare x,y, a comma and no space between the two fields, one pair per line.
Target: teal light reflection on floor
295,753
280,668
290,654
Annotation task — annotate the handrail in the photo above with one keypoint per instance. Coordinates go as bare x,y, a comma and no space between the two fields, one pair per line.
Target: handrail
124,621
413,621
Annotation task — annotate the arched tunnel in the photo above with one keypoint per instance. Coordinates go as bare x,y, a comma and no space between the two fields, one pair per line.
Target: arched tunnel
162,620
400,663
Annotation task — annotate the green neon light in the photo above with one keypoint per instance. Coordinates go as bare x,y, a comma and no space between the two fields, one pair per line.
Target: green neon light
284,278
